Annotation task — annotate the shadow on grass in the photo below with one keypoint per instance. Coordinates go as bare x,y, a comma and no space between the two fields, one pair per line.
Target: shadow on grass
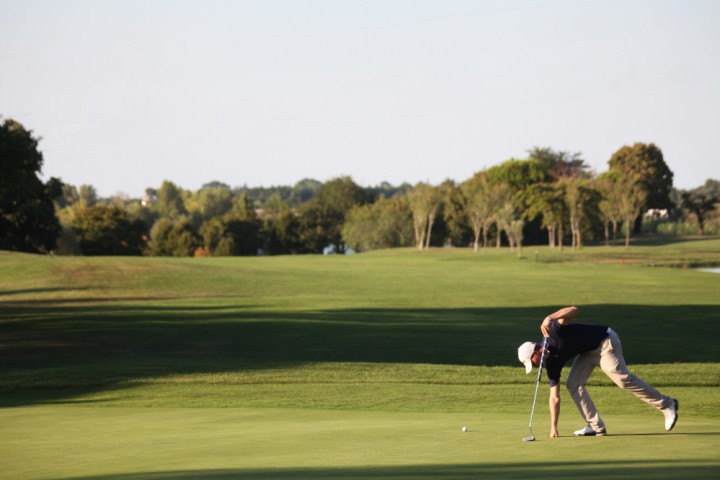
658,470
101,346
40,290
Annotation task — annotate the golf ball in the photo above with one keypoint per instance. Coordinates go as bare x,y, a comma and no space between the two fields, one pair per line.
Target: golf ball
464,429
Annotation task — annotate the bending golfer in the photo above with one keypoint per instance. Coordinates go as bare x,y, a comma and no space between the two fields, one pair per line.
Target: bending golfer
594,346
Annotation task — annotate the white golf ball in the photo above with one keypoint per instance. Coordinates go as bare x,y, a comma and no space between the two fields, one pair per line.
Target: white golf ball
464,429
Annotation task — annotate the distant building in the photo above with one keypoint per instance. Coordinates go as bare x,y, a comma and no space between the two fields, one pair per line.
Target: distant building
147,200
657,213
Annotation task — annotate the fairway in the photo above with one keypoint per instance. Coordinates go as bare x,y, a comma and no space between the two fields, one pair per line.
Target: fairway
363,366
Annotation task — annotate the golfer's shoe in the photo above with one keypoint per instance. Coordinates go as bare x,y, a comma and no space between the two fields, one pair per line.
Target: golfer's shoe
590,432
671,415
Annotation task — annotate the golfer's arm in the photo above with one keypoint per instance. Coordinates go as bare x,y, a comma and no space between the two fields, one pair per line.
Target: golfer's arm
554,409
564,315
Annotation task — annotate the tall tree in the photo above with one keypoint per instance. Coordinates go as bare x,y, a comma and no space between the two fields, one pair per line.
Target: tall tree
170,203
27,214
644,163
323,216
502,203
424,201
634,197
700,204
457,228
478,207
107,230
548,200
504,218
611,189
242,207
88,196
578,195
280,227
386,223
516,231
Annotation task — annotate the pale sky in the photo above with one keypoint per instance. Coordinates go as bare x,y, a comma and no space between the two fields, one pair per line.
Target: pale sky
128,93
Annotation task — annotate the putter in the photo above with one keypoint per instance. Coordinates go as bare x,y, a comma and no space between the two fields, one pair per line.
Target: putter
531,438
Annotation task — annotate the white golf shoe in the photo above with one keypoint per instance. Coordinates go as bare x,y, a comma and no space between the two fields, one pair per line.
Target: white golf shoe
671,415
590,432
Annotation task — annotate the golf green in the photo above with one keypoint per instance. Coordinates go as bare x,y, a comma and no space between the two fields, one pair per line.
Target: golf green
85,442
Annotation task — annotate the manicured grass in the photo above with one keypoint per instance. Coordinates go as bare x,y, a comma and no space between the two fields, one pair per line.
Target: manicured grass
347,367
208,443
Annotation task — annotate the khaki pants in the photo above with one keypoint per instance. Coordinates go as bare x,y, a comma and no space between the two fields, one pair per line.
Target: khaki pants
609,357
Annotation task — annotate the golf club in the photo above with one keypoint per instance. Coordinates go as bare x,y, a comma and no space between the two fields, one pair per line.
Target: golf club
531,438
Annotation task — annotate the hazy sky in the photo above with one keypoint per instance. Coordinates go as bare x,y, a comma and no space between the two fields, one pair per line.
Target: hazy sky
128,93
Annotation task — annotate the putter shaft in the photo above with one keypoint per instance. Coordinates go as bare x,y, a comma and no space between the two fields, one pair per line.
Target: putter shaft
537,385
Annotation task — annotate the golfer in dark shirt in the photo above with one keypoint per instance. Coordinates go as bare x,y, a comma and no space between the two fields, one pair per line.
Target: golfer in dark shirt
593,346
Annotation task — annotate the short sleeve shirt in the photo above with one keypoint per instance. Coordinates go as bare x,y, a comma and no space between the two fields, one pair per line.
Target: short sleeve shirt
567,341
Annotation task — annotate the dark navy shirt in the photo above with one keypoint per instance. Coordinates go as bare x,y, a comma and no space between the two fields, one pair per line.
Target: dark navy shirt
566,341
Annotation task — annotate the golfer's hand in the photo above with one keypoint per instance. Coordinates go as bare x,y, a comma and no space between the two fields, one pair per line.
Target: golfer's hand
545,327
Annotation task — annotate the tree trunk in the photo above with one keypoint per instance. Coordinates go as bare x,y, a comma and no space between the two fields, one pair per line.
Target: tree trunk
606,230
701,223
561,234
614,223
419,236
627,235
431,220
578,232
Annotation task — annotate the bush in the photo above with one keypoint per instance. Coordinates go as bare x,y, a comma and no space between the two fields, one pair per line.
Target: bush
103,230
174,239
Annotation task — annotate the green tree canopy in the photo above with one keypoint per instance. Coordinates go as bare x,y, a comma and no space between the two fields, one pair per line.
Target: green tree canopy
517,174
560,164
107,230
280,227
174,238
387,223
322,217
170,201
27,214
700,203
209,202
644,163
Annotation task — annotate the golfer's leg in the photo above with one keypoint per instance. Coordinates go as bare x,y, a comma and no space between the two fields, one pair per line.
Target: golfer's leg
579,373
613,364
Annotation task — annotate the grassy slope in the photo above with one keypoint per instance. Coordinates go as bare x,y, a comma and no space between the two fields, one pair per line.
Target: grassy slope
431,336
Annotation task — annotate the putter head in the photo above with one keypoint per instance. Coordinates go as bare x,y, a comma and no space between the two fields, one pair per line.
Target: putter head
529,439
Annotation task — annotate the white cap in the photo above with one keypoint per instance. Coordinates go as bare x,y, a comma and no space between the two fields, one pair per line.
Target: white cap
525,352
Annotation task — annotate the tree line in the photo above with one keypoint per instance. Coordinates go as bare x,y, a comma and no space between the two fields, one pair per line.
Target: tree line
549,197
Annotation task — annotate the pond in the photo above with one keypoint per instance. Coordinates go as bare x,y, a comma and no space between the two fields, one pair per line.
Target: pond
713,270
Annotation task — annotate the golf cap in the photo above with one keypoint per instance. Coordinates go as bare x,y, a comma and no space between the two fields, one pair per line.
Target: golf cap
525,354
